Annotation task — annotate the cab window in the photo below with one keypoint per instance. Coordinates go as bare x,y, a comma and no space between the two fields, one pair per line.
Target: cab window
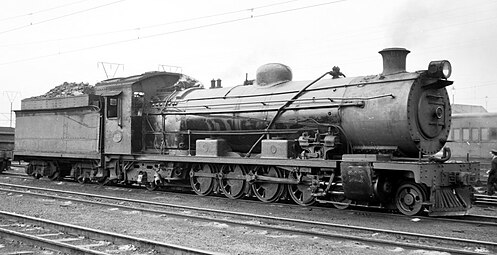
112,106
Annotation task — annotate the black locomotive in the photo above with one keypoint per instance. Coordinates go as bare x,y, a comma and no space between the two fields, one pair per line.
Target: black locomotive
342,140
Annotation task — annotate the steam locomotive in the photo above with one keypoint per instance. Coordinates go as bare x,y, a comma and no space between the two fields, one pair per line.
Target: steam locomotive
362,141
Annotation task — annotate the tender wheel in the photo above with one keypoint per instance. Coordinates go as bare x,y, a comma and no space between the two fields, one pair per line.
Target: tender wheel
55,176
102,181
78,175
301,193
3,165
201,180
233,181
29,170
409,199
82,178
265,191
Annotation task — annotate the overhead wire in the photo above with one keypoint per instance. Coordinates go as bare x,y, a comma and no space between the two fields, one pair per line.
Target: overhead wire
41,11
172,32
152,26
204,26
59,17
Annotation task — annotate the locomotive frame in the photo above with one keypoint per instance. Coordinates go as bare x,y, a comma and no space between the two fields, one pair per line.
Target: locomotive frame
345,141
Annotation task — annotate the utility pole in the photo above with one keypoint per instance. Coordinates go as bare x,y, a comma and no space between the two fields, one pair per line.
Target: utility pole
168,68
453,93
11,95
110,66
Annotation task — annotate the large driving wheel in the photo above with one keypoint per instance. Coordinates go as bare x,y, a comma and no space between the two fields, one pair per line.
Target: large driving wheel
409,199
202,179
301,193
266,191
233,181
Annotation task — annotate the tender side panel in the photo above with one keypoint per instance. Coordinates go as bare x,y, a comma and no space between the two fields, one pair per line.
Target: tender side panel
60,132
6,138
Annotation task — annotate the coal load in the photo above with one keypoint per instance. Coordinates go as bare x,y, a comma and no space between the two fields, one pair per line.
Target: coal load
69,89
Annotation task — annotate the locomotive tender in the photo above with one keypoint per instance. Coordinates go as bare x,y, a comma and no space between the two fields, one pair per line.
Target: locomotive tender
6,147
340,140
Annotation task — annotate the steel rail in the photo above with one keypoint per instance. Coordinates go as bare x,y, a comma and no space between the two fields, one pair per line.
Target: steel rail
95,234
486,199
466,219
272,218
46,243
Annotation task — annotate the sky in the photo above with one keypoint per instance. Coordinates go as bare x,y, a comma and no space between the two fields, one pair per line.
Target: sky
44,43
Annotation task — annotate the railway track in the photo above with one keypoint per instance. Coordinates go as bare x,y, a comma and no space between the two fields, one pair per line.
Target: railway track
480,198
72,239
377,236
486,200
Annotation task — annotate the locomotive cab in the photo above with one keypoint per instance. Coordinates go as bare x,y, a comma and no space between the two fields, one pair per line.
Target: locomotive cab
126,100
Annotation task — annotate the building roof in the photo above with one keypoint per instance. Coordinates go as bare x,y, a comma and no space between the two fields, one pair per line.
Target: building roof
466,108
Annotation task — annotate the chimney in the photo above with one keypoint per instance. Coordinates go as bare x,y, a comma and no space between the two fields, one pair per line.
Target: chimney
394,60
219,83
213,84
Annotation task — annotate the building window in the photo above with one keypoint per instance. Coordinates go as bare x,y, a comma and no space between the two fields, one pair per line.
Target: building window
465,134
475,134
485,134
493,133
457,134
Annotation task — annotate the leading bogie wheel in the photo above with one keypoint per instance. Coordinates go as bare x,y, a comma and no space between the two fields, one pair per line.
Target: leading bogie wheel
409,199
340,201
152,186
